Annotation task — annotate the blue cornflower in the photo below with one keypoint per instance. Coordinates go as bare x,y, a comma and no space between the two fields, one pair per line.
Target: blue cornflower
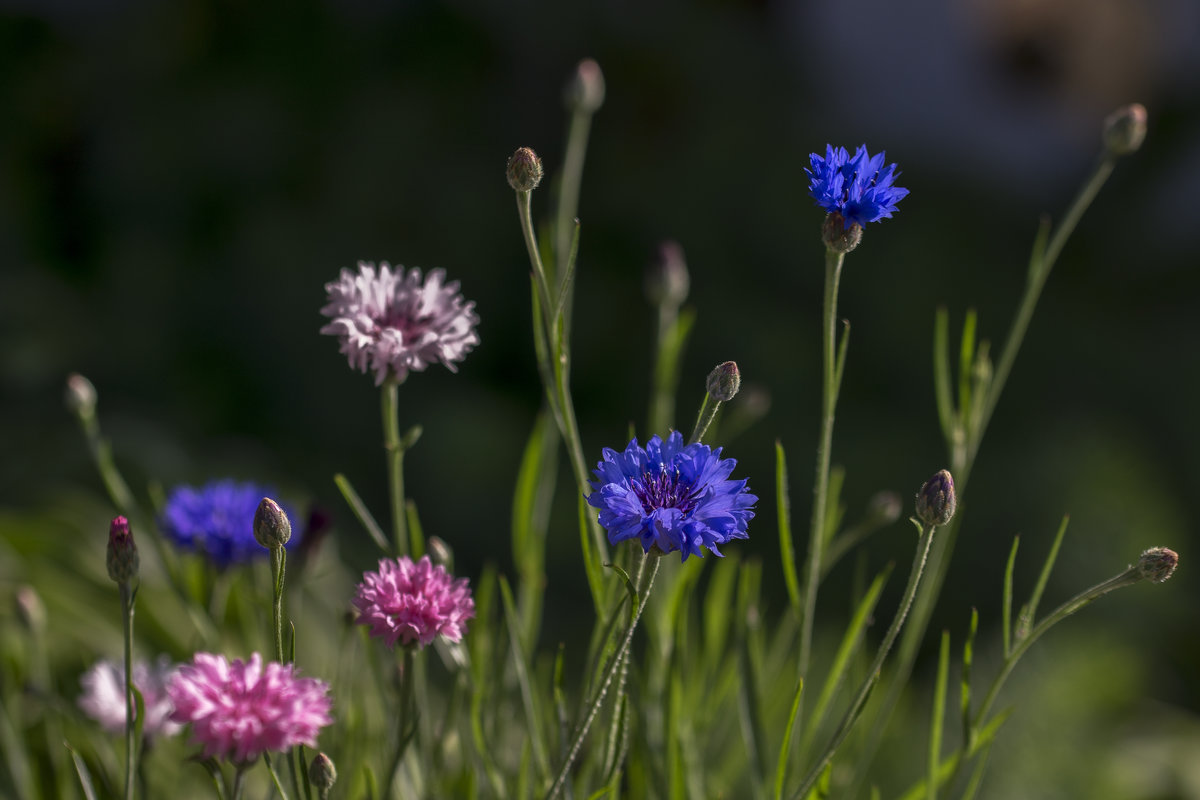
854,187
217,519
671,497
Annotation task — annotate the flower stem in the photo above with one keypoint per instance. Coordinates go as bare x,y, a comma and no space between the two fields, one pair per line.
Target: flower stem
860,699
601,691
708,412
406,726
829,391
278,572
130,707
275,776
390,407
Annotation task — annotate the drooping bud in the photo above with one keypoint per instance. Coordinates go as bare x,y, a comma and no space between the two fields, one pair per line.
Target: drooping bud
667,280
524,170
585,91
1125,129
272,528
322,774
30,609
837,236
724,381
80,396
936,501
1157,564
123,561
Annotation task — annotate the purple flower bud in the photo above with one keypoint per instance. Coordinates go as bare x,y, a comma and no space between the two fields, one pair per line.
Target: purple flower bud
1157,564
935,501
272,528
524,171
122,559
724,381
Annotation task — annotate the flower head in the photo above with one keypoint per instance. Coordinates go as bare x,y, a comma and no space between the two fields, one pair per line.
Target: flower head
103,697
394,322
239,710
1157,564
857,187
217,519
671,497
936,500
413,602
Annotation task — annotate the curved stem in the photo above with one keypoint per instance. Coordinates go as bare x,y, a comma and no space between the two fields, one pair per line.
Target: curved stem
816,534
390,407
860,699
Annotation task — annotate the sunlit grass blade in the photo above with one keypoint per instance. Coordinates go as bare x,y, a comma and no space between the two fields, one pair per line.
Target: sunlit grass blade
787,556
1006,605
785,748
949,764
1029,612
939,715
361,512
528,698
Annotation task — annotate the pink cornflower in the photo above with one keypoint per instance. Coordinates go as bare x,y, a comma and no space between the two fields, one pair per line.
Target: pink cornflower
241,709
413,602
391,322
103,697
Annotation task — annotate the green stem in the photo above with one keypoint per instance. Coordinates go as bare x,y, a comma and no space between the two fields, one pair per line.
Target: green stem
816,535
395,462
405,725
275,776
614,665
860,699
708,412
278,566
568,189
130,707
118,490
239,783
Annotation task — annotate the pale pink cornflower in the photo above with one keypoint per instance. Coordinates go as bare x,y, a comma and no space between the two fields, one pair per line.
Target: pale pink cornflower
392,322
238,710
409,602
103,697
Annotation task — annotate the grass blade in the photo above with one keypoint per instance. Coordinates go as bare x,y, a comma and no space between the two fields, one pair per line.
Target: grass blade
787,556
941,373
1006,607
520,662
360,511
1029,613
85,777
939,714
781,767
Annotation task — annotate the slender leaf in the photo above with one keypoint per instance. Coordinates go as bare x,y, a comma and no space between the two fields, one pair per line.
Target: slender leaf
1029,612
966,357
521,664
968,660
360,511
939,714
941,373
416,534
85,777
787,556
1006,607
785,748
949,764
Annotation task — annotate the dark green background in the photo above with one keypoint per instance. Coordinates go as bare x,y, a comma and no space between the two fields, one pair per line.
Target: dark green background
178,181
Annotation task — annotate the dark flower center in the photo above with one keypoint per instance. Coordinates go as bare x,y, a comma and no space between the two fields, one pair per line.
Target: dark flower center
665,490
410,328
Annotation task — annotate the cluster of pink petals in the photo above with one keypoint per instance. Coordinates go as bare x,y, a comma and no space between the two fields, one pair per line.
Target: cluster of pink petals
103,697
391,322
239,710
409,602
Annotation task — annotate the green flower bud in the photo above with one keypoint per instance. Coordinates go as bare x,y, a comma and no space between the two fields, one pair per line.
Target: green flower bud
1157,564
1125,129
272,528
724,381
936,501
836,236
123,561
322,774
524,170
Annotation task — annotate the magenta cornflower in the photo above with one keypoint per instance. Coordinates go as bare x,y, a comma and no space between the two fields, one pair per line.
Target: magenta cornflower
392,322
413,603
239,710
103,697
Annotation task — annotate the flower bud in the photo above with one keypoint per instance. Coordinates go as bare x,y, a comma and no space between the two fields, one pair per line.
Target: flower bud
1157,564
667,280
524,170
935,501
123,558
724,381
322,774
837,235
31,611
440,552
585,91
884,507
272,528
1125,129
80,396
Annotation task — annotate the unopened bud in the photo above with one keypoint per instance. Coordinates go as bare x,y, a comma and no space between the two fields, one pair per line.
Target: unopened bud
1157,564
272,528
80,395
440,552
585,91
837,236
322,774
935,501
1125,129
724,381
524,170
30,609
884,507
667,280
123,561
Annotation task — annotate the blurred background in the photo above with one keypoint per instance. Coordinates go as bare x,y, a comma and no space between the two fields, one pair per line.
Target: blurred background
179,181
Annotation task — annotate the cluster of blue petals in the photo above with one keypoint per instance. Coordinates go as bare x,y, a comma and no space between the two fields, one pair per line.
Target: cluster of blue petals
217,519
858,187
671,497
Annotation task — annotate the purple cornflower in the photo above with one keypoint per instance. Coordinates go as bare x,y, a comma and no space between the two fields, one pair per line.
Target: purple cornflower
103,697
671,497
240,710
217,519
859,188
392,323
413,602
